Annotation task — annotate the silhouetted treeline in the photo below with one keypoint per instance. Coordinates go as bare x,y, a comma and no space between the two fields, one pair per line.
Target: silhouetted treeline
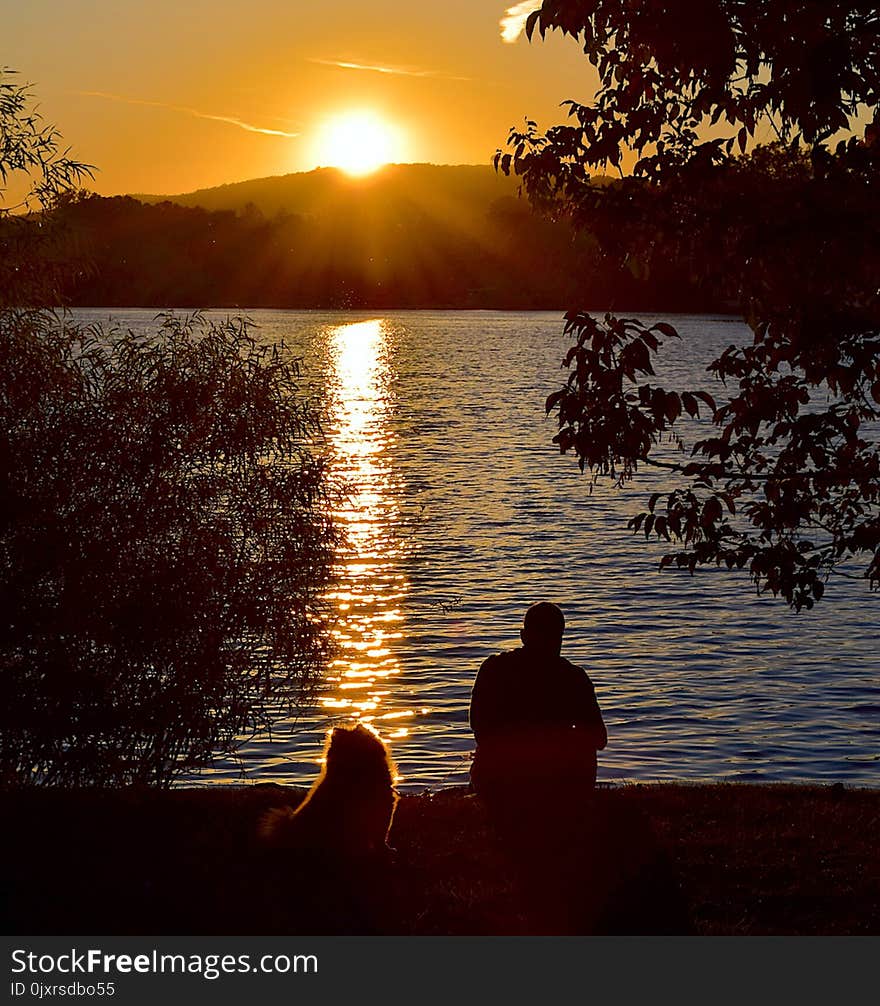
415,236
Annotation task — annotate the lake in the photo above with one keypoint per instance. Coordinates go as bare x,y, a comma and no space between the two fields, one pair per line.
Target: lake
461,513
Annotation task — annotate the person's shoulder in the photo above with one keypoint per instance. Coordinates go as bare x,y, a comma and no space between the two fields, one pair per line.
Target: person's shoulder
499,662
574,670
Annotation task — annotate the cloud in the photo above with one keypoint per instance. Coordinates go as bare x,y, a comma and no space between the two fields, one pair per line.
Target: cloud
513,23
402,71
229,119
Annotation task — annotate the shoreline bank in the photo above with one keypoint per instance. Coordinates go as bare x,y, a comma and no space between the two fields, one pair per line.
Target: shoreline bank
708,859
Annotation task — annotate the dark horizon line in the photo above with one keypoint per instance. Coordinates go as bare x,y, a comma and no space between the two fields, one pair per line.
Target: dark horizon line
731,312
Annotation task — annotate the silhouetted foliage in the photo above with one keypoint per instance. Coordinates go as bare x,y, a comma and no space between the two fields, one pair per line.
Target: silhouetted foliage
787,484
34,255
164,534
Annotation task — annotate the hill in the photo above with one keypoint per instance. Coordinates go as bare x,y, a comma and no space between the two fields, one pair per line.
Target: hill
408,236
463,187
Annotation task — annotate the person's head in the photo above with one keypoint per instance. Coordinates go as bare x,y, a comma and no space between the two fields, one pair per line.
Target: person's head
542,629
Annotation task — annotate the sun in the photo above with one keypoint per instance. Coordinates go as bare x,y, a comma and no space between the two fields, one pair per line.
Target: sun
358,142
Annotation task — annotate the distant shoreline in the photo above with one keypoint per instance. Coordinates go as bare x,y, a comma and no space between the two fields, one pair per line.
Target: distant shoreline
619,312
413,236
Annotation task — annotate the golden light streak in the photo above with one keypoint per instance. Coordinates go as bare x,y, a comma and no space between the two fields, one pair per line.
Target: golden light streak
368,594
397,71
228,119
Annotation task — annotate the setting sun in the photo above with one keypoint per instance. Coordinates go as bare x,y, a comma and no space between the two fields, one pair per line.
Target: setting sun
358,142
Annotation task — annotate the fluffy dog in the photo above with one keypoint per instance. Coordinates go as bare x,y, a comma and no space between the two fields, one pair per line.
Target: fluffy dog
348,811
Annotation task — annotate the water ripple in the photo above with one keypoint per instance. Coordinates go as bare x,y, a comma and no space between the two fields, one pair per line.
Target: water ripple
461,514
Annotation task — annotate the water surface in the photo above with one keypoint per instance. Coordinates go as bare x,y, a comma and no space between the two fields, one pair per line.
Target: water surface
461,513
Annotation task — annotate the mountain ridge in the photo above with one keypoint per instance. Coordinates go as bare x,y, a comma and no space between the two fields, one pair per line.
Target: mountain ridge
308,192
405,236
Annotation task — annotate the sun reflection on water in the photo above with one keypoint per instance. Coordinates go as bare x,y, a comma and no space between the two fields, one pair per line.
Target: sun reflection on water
371,585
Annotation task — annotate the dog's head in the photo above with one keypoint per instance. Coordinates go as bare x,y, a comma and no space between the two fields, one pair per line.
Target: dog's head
357,750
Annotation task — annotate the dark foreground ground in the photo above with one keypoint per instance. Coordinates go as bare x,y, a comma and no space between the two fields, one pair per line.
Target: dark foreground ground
706,859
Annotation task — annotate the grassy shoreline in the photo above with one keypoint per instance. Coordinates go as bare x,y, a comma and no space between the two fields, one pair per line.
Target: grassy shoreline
727,858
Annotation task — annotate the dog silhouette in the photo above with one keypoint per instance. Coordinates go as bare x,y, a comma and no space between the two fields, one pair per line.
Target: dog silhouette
349,809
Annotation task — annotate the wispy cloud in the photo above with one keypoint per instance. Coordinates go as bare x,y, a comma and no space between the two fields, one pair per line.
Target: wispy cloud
401,71
513,21
185,110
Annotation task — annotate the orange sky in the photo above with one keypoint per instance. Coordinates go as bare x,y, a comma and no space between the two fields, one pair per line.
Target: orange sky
169,96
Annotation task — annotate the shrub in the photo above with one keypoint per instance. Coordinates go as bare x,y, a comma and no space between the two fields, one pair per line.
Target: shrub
164,546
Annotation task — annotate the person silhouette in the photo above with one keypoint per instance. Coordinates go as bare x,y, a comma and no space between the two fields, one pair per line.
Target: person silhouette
584,862
535,719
